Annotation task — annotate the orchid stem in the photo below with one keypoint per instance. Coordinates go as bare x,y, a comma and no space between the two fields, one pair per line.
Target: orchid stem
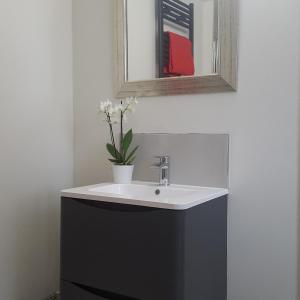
112,135
122,135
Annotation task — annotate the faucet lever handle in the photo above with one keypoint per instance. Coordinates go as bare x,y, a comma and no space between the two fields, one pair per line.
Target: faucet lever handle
163,159
155,165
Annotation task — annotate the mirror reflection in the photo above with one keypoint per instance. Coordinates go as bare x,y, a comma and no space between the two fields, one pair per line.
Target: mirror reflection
171,38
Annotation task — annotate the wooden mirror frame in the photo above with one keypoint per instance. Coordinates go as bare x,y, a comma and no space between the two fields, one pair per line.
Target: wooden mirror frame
224,80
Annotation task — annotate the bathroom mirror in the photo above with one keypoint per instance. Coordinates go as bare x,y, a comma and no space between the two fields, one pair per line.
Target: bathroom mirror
168,47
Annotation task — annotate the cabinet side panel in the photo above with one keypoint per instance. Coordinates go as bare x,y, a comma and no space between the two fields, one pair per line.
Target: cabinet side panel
205,262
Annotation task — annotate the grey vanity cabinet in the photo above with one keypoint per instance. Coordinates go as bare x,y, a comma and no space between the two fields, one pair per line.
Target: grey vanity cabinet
77,292
116,251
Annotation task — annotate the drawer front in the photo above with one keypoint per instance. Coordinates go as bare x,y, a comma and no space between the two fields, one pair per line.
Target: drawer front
129,250
70,291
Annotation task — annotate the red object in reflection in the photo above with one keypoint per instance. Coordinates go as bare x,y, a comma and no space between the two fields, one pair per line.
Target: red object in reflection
181,61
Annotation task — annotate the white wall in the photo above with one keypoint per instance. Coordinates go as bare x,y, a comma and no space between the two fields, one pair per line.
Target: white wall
141,39
262,119
36,139
204,37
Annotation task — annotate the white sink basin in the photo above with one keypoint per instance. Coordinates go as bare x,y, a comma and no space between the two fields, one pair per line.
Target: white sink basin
176,197
142,191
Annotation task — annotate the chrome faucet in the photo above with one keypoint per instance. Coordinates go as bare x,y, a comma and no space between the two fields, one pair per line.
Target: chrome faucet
164,170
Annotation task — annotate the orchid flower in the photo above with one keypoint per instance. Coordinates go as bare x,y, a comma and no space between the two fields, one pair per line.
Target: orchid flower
114,114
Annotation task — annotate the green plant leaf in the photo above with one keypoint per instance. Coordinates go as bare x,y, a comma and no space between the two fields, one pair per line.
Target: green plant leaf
111,149
114,152
130,156
131,161
127,141
115,161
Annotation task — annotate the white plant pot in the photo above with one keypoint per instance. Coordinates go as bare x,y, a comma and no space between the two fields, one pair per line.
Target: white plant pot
122,174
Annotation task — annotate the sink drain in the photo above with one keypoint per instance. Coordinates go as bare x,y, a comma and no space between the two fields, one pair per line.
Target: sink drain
157,192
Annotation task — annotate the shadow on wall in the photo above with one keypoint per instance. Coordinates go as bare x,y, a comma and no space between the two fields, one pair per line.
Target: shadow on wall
36,246
299,191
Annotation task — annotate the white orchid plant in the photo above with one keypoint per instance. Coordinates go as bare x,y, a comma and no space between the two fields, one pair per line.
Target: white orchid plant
117,114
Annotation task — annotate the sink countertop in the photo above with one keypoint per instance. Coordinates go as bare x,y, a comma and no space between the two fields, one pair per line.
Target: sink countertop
175,197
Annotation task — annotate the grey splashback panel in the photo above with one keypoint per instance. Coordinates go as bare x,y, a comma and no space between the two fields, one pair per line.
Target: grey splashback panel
195,159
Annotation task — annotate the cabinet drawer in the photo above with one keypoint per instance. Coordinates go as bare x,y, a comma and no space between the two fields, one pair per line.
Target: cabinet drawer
70,291
122,248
